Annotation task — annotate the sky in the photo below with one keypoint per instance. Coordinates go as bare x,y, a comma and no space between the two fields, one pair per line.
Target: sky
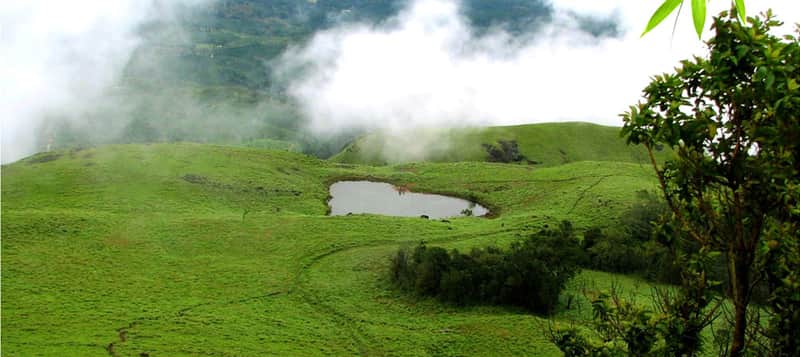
425,67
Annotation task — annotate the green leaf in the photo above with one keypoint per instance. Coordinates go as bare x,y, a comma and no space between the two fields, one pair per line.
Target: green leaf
712,130
699,15
661,13
792,84
740,9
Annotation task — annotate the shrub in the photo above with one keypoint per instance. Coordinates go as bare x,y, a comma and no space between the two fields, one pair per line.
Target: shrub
638,221
616,252
506,151
530,274
632,248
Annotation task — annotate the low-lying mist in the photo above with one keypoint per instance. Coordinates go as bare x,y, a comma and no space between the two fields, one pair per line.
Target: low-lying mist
61,59
427,67
94,72
310,76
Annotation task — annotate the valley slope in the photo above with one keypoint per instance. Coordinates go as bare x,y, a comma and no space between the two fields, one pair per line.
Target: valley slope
190,249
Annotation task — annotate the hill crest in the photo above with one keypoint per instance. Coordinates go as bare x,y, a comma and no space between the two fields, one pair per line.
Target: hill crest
545,144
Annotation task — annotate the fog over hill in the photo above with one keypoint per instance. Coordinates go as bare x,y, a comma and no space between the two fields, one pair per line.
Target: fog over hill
429,67
309,75
61,59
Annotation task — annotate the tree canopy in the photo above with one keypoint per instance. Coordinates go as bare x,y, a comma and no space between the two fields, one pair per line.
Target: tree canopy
733,187
732,118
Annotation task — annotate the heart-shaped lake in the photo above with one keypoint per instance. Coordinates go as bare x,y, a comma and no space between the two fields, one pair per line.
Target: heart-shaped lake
385,199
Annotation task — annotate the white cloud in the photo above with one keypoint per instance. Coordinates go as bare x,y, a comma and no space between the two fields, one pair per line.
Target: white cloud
425,68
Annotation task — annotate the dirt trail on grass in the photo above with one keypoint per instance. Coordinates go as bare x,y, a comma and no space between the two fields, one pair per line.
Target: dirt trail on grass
584,191
354,327
124,332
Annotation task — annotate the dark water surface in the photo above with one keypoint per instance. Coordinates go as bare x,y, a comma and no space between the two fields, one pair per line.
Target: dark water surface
382,198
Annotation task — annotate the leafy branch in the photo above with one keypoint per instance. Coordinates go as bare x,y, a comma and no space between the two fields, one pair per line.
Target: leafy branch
698,13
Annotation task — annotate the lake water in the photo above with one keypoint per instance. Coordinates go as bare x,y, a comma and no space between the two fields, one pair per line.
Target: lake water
385,199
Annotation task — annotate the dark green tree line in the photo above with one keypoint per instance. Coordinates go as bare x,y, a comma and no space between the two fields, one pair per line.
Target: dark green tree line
530,274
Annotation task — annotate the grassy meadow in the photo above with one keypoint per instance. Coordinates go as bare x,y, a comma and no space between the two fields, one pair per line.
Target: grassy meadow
190,249
548,144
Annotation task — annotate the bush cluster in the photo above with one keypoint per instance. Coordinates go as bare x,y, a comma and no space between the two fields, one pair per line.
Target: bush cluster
506,151
530,274
630,248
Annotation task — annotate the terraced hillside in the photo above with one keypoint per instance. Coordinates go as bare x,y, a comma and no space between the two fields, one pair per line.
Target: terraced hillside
548,144
189,249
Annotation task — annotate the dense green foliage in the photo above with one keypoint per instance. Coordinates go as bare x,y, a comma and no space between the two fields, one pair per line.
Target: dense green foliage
505,151
732,120
631,246
673,327
532,273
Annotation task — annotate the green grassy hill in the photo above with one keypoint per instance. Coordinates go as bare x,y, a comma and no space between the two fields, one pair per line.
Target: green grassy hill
189,249
548,144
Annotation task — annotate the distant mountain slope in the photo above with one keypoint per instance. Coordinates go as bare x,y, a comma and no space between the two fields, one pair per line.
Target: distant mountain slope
546,144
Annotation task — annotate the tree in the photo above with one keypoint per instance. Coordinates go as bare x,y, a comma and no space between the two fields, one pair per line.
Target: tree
733,121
